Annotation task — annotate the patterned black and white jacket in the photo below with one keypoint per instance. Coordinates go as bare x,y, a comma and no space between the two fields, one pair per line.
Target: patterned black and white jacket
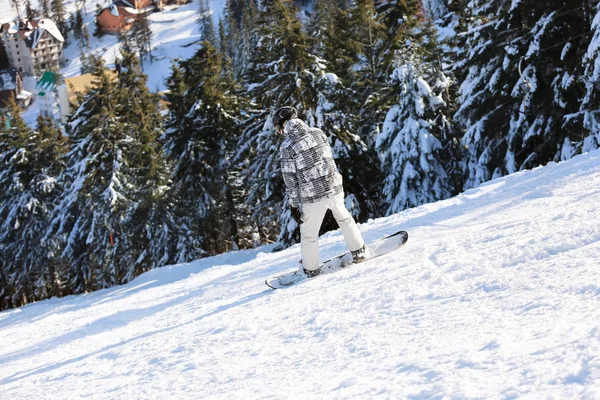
307,165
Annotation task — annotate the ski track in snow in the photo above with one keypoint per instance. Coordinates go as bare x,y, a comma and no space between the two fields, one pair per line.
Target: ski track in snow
495,295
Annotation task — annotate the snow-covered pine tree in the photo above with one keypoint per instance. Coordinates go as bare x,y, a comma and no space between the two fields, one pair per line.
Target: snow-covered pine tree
409,150
45,11
30,12
330,106
590,109
278,75
5,289
59,17
207,26
30,162
181,147
330,25
519,120
328,110
369,75
140,36
88,220
199,136
226,61
435,9
52,277
149,225
241,20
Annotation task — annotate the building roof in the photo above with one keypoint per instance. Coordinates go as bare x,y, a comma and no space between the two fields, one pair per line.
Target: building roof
131,5
47,82
8,79
31,31
80,84
118,8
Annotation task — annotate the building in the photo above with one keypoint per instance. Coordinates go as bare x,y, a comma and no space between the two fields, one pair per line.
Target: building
120,15
11,84
33,46
47,95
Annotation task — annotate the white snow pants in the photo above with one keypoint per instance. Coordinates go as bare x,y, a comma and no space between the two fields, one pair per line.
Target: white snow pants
312,217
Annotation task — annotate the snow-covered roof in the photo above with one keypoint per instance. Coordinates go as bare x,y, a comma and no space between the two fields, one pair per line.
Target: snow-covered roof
33,30
120,6
51,27
23,95
47,81
114,10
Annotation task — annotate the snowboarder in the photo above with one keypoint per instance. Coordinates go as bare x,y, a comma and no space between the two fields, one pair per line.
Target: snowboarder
313,182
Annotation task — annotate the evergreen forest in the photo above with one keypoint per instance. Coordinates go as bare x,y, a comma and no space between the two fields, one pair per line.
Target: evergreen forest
420,99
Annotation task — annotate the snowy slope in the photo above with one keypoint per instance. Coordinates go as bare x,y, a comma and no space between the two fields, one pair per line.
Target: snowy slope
496,295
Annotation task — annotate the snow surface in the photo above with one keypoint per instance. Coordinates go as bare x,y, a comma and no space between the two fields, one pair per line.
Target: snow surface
495,295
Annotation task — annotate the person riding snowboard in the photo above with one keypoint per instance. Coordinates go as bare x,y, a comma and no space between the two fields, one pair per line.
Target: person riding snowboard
313,182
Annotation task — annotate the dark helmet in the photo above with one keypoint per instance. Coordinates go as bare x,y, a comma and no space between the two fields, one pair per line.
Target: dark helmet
283,114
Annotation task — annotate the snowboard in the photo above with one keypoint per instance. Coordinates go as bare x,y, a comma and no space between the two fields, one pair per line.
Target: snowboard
374,249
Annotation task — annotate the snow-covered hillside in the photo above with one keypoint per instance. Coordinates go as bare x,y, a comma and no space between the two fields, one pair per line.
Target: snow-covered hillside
175,30
175,35
495,295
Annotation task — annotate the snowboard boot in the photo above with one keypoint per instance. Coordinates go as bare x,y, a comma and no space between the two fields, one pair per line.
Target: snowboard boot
311,273
359,255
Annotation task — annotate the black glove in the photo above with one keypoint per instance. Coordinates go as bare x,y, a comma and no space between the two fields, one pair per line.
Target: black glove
296,214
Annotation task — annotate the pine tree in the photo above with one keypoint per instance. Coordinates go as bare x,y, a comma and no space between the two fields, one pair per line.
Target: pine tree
189,236
368,32
46,9
4,63
235,10
89,218
78,24
140,36
224,50
241,40
355,159
12,153
275,78
16,5
417,144
200,132
30,162
98,31
51,273
342,53
85,36
30,12
115,218
58,15
589,110
518,85
435,9
149,224
408,147
207,27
